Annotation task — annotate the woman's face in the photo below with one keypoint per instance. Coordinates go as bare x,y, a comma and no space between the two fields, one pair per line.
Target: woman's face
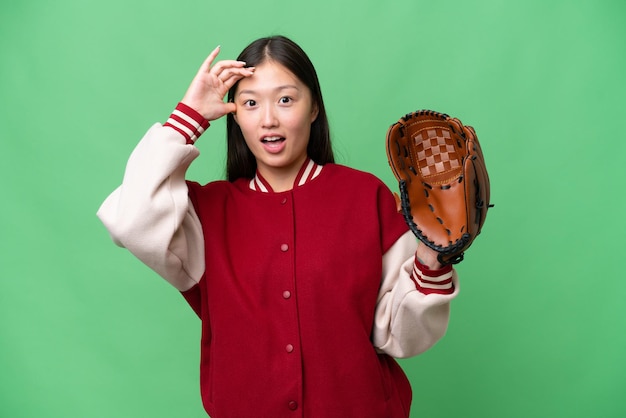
275,111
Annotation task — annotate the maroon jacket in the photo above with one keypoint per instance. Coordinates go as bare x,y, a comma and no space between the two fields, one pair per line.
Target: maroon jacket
288,297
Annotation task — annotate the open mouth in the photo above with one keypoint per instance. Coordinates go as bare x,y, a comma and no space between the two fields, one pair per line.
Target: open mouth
272,140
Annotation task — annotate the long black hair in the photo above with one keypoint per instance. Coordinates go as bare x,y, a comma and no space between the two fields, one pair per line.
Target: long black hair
240,161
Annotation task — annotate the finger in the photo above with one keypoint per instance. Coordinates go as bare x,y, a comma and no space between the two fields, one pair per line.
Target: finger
206,65
230,72
235,77
226,65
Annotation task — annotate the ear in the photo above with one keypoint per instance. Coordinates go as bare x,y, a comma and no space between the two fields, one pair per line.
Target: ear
234,112
314,112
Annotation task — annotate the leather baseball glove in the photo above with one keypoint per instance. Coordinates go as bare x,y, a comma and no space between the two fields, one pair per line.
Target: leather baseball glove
444,186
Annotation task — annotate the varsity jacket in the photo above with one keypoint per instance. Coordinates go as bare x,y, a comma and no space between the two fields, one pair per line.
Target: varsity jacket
305,296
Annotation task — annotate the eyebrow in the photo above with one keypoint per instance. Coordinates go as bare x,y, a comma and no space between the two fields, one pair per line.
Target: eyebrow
279,88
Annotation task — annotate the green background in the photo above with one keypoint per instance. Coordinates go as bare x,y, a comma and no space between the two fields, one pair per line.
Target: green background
539,328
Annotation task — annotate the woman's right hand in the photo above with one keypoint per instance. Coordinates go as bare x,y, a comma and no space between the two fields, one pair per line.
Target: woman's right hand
209,87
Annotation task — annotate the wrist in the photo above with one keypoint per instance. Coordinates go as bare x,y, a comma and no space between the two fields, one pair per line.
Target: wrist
427,257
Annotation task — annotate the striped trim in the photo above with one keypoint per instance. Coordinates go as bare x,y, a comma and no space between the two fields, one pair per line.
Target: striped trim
257,184
188,122
432,281
308,172
311,170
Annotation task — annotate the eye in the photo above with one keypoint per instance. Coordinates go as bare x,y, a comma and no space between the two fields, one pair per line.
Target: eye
285,100
249,103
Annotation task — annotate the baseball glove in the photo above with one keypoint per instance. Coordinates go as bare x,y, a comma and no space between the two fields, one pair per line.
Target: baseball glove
444,186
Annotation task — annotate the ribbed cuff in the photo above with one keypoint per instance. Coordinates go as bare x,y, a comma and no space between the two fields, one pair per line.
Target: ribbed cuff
430,281
187,122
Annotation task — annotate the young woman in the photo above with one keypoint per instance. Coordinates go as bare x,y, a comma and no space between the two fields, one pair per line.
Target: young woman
306,279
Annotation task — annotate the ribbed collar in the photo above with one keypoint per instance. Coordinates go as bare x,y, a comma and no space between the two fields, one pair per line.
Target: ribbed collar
308,172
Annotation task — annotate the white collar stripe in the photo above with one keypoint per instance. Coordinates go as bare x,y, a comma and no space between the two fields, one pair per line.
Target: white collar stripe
260,185
305,175
311,171
317,172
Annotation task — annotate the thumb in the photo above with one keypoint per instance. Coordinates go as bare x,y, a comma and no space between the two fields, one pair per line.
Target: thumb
398,202
230,107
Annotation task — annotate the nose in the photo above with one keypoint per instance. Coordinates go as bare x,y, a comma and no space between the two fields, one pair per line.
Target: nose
269,119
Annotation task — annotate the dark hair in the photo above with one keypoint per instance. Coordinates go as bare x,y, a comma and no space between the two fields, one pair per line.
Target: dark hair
240,161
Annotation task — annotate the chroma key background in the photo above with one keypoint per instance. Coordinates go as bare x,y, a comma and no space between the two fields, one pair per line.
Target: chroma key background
539,329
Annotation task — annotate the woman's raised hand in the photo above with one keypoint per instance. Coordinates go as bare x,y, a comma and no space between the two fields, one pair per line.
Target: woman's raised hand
209,87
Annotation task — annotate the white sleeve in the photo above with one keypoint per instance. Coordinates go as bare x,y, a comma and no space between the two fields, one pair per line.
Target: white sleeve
151,215
413,305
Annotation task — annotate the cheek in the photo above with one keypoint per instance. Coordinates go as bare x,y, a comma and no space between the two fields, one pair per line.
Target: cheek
245,125
247,137
302,123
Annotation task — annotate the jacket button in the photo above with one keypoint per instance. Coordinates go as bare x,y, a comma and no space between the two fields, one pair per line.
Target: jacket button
284,247
286,294
282,202
289,348
293,405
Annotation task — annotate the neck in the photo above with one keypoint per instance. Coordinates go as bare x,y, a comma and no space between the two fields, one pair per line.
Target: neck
281,179
280,183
